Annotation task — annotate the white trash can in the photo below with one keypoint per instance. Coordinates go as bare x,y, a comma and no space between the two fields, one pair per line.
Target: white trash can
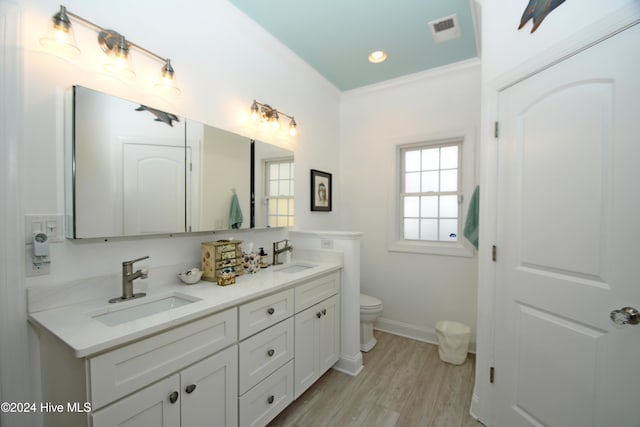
453,341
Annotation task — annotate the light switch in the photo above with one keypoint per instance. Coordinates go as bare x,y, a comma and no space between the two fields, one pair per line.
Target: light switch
51,225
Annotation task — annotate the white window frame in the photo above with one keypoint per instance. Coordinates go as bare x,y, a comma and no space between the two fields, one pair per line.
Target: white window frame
462,247
267,196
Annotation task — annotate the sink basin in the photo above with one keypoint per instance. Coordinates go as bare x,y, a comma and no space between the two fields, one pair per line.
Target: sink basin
139,311
294,268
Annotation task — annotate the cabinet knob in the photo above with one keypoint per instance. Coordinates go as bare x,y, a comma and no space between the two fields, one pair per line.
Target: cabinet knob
190,388
324,311
318,315
271,310
271,352
270,399
173,397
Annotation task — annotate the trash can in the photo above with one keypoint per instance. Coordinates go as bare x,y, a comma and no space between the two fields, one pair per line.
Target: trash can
453,341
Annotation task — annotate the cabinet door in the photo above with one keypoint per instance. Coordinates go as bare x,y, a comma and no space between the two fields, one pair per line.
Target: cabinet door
209,391
306,349
329,333
151,406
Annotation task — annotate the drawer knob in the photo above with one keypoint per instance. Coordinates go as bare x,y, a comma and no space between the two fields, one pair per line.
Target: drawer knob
271,310
271,352
270,399
190,388
324,311
318,315
173,397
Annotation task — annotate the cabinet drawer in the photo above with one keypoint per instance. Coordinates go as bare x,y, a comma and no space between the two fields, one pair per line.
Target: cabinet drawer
265,352
263,402
260,314
129,368
316,290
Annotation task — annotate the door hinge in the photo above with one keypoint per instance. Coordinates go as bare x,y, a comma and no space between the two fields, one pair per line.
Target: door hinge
492,374
496,130
190,167
494,252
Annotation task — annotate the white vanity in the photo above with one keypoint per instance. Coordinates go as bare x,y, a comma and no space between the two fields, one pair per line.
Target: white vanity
224,356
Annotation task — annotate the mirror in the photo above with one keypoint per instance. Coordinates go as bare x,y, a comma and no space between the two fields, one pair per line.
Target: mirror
135,170
273,179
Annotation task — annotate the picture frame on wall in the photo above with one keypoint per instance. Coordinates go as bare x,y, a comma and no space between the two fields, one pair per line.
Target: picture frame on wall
321,190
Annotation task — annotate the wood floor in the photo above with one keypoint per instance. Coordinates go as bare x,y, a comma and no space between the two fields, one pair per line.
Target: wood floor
403,383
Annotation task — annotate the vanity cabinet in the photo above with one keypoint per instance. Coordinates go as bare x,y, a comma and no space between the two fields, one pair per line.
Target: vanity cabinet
317,342
138,379
202,394
238,367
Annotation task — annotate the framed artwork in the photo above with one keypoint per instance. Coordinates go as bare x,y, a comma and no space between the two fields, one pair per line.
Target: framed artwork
320,191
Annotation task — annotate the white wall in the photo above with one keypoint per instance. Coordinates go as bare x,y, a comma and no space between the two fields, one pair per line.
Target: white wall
417,290
222,60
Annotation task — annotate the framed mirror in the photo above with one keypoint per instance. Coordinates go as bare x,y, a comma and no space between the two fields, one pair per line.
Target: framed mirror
134,170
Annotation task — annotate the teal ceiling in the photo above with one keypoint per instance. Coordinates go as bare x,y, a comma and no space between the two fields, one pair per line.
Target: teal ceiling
336,36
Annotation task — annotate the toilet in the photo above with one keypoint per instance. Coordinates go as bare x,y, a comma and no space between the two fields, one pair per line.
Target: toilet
370,310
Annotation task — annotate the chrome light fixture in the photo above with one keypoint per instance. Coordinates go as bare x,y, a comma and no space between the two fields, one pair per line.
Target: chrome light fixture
61,38
271,116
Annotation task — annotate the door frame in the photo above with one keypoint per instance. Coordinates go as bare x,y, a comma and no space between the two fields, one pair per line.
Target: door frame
483,396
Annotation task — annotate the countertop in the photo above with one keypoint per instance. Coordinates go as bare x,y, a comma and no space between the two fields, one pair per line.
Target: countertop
75,326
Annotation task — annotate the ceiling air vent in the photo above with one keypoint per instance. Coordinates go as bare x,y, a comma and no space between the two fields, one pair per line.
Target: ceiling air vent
444,29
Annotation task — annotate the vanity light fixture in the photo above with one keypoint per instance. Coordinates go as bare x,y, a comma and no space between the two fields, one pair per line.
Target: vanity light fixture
271,116
61,38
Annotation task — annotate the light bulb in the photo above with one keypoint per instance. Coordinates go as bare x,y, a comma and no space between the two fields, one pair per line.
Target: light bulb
60,37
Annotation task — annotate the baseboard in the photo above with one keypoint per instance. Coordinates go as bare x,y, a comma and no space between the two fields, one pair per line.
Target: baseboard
419,333
349,365
475,401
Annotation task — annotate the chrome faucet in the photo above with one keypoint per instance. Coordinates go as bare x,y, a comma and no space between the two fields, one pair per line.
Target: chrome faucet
128,276
277,250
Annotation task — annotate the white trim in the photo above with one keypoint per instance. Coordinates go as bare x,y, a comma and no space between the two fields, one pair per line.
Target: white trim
610,25
408,79
432,248
16,374
414,332
349,365
461,248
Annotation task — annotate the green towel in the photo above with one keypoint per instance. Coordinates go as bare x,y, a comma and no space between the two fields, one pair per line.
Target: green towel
472,224
235,213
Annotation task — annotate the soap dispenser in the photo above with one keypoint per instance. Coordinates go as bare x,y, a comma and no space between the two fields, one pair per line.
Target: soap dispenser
263,259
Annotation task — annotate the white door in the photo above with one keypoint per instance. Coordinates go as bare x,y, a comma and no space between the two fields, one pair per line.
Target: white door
568,242
154,406
329,333
306,349
154,188
210,391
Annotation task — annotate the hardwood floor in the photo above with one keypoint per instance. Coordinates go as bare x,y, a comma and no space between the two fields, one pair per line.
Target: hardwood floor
403,383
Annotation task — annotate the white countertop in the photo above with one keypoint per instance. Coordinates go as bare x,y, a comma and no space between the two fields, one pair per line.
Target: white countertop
74,324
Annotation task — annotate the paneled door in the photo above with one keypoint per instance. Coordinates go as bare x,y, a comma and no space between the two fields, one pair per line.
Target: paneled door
154,188
568,242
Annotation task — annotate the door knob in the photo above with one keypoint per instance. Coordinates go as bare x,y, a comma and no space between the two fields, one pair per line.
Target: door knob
625,316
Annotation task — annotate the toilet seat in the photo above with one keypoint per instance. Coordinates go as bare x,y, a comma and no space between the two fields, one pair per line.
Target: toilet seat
369,303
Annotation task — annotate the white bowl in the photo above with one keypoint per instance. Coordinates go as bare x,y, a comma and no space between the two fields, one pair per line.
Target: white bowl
190,277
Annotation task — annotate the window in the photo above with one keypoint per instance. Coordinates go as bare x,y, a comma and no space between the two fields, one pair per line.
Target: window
431,193
279,193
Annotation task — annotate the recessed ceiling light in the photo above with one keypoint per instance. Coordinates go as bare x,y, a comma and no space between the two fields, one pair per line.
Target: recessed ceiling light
377,56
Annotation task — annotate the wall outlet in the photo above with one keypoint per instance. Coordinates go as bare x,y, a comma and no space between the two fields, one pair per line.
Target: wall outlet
35,269
326,243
